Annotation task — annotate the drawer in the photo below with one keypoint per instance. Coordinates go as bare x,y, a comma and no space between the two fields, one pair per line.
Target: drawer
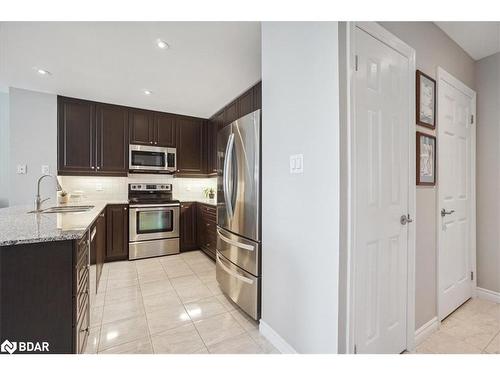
81,276
240,286
82,248
82,296
82,330
243,252
208,209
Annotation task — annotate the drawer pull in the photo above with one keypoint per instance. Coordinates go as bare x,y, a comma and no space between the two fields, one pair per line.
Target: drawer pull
232,273
235,243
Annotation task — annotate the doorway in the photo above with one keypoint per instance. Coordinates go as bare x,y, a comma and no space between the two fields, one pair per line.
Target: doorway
381,208
456,219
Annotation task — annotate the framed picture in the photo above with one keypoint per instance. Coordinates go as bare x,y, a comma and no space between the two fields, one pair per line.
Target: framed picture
426,159
426,100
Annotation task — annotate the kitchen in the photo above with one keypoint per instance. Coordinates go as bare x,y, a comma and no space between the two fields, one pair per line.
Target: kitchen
149,211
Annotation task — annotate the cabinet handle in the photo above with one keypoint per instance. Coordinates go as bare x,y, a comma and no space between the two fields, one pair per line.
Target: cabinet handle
124,208
151,142
92,167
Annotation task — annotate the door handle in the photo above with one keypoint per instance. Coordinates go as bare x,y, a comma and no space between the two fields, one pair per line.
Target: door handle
225,185
444,212
405,219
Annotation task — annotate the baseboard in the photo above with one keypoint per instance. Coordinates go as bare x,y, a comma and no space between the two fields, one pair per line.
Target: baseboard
272,336
489,295
426,330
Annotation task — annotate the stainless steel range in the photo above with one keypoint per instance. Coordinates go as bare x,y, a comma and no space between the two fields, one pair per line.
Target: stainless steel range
153,221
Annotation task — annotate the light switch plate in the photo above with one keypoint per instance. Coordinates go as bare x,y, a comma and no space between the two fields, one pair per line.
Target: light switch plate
296,163
22,169
45,169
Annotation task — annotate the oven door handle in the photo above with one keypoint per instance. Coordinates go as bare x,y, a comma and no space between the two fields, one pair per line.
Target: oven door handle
159,206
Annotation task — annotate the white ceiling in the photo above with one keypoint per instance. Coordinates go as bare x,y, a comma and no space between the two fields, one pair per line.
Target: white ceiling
478,39
207,64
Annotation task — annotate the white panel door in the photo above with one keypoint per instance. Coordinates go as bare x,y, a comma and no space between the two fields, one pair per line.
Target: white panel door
454,160
381,135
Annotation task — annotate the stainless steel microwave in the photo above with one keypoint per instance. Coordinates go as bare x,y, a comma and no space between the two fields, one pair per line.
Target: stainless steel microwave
152,159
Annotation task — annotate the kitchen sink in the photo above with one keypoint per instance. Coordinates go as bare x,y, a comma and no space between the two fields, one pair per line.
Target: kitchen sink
64,209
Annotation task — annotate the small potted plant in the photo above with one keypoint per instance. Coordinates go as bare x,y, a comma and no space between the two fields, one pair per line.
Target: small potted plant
209,193
63,197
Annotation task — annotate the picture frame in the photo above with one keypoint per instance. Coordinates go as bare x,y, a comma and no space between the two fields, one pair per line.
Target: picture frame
426,159
426,100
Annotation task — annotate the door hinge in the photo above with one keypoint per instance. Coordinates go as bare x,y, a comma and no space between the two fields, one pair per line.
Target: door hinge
472,119
472,276
356,63
355,350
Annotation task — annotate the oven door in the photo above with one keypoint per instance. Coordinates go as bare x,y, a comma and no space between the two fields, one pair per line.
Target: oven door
152,222
148,158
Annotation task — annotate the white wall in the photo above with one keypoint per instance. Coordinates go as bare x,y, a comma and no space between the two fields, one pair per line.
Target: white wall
488,172
33,141
4,149
300,212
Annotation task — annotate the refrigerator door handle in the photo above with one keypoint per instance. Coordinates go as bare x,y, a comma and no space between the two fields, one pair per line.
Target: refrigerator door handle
235,243
225,186
232,273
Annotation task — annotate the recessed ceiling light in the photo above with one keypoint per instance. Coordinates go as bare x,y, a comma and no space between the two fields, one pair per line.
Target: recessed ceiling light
162,44
147,92
43,72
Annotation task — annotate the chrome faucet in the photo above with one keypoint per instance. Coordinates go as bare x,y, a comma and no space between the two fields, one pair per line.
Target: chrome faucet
38,200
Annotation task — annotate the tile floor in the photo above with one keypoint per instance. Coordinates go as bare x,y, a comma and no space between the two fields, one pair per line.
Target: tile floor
472,329
169,304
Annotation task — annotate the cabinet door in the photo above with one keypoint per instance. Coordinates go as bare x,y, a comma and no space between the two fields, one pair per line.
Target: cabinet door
245,103
117,232
190,146
141,127
76,134
188,226
112,139
257,96
231,112
100,245
165,130
211,147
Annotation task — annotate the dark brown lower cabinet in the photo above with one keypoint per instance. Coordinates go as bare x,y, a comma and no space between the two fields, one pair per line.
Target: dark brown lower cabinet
207,229
117,232
44,289
188,226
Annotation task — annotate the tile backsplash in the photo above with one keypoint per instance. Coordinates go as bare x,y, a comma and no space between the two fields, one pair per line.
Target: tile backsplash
116,188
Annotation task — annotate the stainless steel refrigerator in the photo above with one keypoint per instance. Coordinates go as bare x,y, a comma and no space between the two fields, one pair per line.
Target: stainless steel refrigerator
238,263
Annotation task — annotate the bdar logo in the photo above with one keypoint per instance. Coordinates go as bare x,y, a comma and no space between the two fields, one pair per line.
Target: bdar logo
8,347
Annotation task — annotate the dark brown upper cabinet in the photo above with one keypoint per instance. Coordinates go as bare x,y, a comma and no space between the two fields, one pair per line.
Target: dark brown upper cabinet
141,125
92,138
116,232
190,148
165,130
231,112
76,136
245,103
112,139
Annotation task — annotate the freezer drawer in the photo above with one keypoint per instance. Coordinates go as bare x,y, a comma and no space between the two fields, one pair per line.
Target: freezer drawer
240,286
241,251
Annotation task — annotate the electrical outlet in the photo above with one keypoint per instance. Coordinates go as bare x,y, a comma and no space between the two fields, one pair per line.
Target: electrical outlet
98,187
22,169
45,169
296,163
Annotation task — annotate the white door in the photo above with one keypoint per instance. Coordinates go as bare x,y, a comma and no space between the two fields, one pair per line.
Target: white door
381,135
455,189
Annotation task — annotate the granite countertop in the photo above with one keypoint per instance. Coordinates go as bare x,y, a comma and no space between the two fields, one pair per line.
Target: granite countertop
17,226
212,202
